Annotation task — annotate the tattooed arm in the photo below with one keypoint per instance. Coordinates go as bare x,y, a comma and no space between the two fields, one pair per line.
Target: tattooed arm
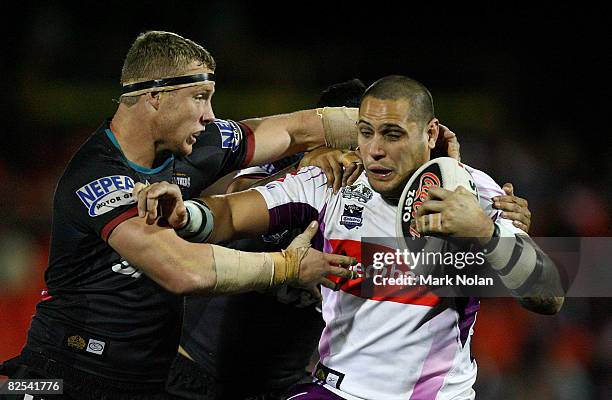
529,273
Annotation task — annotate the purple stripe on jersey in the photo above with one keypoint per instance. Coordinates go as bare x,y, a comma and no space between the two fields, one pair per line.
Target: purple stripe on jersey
467,315
319,242
293,215
307,171
439,360
311,391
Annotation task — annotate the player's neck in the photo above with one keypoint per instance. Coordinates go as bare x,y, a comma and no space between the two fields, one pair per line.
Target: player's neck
134,138
391,199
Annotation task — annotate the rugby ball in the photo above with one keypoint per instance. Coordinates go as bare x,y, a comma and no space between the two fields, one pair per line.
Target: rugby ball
444,172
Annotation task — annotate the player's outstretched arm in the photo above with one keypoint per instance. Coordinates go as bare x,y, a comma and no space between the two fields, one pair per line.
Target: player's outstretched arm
279,136
341,168
183,267
175,264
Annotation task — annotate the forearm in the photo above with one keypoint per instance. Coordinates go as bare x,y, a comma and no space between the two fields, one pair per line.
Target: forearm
175,264
527,271
237,215
283,135
185,268
242,183
543,297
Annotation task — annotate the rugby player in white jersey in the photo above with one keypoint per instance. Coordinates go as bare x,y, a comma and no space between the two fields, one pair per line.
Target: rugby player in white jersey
377,347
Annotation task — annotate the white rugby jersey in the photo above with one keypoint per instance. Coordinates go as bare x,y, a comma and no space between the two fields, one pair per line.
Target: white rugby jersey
376,346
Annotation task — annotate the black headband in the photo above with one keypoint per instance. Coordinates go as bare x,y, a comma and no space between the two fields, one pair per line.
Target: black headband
179,80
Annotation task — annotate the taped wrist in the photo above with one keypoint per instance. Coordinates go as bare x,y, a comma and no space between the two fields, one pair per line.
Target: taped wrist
340,126
517,259
287,265
240,271
200,222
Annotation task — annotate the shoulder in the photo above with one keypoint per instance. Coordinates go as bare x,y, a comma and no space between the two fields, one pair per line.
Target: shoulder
307,185
224,133
95,171
309,175
487,187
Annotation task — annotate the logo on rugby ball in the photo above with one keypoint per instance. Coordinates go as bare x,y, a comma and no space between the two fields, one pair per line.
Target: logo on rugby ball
443,172
416,194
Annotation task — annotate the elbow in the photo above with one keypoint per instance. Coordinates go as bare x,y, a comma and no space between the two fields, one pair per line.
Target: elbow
545,306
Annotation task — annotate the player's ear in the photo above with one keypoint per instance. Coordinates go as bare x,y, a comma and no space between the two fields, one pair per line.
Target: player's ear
433,130
153,98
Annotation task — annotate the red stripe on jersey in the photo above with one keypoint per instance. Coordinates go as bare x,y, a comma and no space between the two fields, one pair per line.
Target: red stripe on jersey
108,228
250,138
419,295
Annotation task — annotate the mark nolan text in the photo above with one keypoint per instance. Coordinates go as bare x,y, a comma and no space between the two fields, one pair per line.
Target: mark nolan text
429,280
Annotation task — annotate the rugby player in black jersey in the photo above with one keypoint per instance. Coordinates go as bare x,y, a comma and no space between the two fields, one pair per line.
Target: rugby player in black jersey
110,318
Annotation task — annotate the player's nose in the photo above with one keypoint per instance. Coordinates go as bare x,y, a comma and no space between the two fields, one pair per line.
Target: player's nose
376,150
208,115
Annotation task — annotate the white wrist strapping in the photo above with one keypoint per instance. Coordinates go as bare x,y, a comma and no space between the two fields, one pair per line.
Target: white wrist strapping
241,271
200,223
340,126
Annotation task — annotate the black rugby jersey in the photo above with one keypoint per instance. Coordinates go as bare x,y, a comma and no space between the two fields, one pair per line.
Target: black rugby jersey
262,340
100,314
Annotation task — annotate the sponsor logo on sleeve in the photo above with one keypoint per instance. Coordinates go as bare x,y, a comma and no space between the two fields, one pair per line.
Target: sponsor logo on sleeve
105,194
231,134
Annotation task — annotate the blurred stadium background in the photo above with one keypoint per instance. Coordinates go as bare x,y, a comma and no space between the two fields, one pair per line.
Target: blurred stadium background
523,88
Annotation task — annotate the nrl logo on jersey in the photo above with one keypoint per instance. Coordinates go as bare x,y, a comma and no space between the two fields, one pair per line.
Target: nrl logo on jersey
105,194
360,192
352,216
231,134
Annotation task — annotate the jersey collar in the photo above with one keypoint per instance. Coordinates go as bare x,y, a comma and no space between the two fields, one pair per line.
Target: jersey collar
139,168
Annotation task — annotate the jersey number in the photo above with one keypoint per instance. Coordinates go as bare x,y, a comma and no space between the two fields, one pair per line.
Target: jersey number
125,268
